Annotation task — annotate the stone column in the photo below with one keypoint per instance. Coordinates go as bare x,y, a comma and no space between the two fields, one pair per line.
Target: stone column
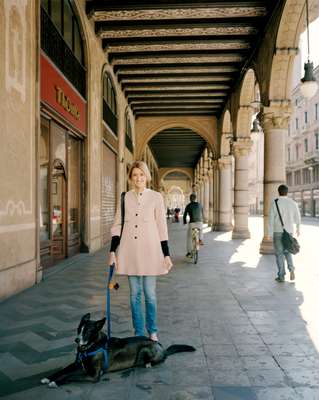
274,121
216,195
225,198
205,186
211,192
241,150
206,199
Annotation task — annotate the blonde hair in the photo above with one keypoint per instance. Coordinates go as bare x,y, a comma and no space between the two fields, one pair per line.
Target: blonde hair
143,167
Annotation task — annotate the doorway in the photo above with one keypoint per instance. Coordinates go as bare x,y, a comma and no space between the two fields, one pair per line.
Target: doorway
58,211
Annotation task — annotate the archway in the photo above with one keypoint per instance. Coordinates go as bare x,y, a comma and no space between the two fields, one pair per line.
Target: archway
147,128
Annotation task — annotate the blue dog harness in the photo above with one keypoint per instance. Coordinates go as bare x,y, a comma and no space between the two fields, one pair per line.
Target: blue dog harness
84,355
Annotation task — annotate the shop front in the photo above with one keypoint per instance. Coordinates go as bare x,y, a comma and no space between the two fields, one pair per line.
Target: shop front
315,194
63,130
307,203
298,199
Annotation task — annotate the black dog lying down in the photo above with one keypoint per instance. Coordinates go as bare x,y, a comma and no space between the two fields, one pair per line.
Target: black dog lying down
97,355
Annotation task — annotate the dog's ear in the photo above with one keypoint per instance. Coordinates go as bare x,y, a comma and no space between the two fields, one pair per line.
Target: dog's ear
84,319
99,324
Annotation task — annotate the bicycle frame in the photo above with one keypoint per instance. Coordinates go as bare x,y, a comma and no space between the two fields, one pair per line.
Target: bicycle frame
195,244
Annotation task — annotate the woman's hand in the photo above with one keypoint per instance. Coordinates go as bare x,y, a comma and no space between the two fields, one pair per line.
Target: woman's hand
168,263
112,259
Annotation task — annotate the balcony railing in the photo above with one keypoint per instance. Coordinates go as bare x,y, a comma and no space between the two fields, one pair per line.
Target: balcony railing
53,44
312,157
109,117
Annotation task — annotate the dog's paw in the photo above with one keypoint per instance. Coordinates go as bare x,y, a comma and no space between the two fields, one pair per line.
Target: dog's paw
45,381
148,365
52,385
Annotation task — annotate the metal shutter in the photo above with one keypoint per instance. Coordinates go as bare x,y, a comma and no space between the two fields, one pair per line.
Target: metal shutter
108,192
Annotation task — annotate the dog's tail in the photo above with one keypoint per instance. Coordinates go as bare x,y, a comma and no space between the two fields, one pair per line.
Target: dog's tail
178,348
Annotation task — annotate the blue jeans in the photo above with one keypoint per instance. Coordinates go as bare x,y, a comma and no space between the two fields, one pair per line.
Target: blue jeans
146,284
281,255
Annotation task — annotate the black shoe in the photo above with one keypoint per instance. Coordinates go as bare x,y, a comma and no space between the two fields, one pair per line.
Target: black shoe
188,255
280,279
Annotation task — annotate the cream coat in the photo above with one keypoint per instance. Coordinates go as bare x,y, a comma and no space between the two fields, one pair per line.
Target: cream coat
140,252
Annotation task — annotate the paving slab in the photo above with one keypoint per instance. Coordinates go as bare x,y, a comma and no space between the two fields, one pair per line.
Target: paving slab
255,339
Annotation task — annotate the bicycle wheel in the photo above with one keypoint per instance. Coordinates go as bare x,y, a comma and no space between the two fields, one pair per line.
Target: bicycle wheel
195,256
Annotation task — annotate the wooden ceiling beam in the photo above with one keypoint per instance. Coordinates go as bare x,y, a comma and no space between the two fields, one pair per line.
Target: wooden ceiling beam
176,101
157,69
181,59
188,30
175,79
173,47
211,12
175,94
168,87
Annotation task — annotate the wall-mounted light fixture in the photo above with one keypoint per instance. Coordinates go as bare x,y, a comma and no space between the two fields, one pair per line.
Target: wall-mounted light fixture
309,84
255,128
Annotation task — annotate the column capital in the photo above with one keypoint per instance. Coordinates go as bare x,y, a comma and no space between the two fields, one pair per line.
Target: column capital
276,116
242,146
224,162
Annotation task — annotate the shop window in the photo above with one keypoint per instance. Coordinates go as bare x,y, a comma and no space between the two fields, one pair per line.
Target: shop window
288,153
297,178
56,14
305,176
62,42
77,44
74,158
68,23
128,133
109,104
45,5
44,216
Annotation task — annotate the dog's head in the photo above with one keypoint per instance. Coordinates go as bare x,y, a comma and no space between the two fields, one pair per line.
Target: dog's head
88,332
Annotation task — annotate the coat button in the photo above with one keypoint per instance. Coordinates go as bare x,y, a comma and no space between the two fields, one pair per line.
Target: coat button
136,214
135,237
135,226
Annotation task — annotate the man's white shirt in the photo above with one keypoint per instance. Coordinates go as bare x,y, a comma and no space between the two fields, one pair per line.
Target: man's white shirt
289,212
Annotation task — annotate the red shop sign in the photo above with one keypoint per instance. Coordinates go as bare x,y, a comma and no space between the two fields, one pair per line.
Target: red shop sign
58,93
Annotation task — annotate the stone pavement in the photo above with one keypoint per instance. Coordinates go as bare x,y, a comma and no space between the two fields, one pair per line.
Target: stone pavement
256,339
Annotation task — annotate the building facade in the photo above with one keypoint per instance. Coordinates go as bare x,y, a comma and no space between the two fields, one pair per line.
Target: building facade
84,90
302,152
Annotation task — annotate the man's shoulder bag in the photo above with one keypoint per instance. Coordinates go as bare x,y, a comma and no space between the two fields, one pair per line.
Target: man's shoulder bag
288,241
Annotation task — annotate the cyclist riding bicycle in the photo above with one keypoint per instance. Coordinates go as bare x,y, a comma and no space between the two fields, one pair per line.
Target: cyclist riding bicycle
196,216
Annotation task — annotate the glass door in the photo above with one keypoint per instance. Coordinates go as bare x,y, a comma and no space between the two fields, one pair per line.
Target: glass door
58,220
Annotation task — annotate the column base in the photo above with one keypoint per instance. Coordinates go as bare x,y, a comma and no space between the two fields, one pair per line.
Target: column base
224,227
241,234
266,246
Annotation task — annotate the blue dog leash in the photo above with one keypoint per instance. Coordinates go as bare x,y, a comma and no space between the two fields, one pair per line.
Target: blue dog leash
104,350
108,301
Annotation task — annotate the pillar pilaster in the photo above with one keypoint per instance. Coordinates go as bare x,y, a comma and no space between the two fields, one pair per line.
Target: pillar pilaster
241,149
225,198
274,121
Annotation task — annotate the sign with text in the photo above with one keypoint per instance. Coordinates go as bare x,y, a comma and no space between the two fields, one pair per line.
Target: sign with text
58,93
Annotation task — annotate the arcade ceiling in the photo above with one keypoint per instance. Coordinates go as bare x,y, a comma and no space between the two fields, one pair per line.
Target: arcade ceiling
179,57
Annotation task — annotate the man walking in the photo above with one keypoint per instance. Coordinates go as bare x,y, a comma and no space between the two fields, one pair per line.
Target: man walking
291,216
195,212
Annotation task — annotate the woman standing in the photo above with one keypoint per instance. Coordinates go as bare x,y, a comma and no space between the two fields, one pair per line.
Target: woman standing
142,251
